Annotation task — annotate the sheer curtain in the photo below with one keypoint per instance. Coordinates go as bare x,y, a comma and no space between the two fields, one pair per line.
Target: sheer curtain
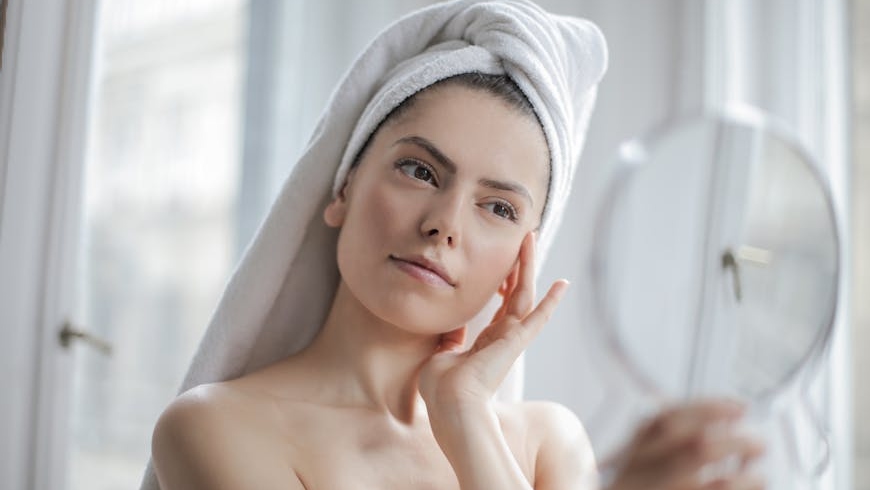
298,52
671,57
791,60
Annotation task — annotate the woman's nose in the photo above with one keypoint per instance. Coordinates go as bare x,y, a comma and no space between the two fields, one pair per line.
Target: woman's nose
442,222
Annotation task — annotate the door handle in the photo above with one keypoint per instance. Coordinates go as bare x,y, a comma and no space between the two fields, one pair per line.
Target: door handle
69,332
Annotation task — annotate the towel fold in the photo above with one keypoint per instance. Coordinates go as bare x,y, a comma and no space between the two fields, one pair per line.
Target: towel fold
280,293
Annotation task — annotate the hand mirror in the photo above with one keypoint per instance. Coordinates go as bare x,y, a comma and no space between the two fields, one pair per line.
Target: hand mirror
716,258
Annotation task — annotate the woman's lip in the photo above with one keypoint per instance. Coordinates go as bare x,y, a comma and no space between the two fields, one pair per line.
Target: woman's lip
421,272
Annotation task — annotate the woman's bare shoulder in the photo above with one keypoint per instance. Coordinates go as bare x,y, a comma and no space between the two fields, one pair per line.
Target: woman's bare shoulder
556,437
219,436
212,403
541,418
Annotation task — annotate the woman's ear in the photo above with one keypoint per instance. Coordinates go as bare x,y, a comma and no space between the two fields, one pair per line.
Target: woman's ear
336,210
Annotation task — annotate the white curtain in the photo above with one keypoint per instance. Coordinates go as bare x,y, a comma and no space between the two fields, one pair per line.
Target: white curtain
790,58
297,52
674,57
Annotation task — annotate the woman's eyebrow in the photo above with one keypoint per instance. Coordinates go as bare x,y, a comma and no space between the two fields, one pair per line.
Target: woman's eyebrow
451,167
431,149
507,186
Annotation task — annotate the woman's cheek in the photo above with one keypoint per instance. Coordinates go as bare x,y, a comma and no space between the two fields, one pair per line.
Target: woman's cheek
499,258
384,216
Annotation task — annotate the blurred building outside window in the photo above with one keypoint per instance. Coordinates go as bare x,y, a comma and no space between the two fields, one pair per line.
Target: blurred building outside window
159,218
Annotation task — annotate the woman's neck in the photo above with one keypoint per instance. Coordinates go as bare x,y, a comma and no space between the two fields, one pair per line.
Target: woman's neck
372,363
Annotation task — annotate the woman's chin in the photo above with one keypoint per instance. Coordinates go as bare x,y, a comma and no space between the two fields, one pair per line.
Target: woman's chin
420,321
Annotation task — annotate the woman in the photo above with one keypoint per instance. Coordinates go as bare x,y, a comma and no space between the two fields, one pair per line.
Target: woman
444,186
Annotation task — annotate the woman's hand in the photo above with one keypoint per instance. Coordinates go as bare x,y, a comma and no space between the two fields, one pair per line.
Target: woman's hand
458,385
453,378
682,447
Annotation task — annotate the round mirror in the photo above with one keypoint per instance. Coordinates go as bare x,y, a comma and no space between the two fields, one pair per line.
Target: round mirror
715,264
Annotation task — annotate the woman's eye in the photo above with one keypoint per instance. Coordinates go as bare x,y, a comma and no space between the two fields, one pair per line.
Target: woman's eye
417,170
422,173
503,210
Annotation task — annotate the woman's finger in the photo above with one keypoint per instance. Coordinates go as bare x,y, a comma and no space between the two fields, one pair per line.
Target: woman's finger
673,427
716,452
452,340
696,464
742,481
517,334
499,345
523,297
693,446
535,320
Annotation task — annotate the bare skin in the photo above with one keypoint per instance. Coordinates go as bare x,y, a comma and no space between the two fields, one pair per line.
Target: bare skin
388,395
295,427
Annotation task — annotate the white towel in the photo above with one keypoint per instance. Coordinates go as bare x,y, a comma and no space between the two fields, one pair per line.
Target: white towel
278,297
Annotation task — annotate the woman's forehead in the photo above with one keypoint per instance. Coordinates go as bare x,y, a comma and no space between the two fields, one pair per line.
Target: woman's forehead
476,130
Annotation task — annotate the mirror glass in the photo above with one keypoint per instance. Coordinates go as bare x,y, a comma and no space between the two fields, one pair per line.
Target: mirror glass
715,265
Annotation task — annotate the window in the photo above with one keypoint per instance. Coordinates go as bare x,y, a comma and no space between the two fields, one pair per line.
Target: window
159,218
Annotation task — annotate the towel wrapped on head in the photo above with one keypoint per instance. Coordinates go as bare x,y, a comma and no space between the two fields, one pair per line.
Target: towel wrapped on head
280,293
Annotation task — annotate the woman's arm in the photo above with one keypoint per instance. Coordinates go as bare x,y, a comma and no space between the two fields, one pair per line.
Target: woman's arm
559,454
564,459
472,439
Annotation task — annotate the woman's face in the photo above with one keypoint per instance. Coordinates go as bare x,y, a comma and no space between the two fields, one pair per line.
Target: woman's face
433,216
